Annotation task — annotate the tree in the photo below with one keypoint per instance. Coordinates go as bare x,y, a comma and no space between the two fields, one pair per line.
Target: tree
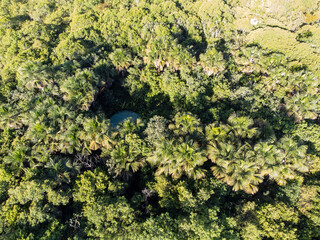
229,149
277,221
18,159
282,160
128,156
177,159
186,124
106,213
80,89
232,153
130,126
157,130
121,59
96,133
309,206
236,167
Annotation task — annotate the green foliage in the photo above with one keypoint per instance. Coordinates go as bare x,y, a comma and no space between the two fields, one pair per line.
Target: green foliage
309,133
106,214
227,146
181,155
277,221
157,129
308,205
79,90
128,155
243,163
178,159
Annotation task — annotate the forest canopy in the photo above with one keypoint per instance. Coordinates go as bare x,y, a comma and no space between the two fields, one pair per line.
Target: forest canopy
225,139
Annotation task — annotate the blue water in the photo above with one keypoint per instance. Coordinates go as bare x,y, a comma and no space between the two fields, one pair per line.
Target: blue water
121,116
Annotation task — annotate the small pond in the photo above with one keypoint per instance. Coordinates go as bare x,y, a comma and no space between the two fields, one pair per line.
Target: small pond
121,116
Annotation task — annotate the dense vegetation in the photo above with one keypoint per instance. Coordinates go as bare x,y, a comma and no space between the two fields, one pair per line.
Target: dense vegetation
228,143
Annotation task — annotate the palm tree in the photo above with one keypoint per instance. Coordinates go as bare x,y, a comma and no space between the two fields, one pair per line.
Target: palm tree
266,157
221,155
128,155
243,175
292,155
212,61
216,132
237,131
303,106
177,159
33,76
38,131
96,133
58,115
80,90
242,126
178,57
186,124
235,166
163,153
67,140
10,117
124,160
189,158
279,161
157,51
17,158
281,173
61,169
121,59
130,126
